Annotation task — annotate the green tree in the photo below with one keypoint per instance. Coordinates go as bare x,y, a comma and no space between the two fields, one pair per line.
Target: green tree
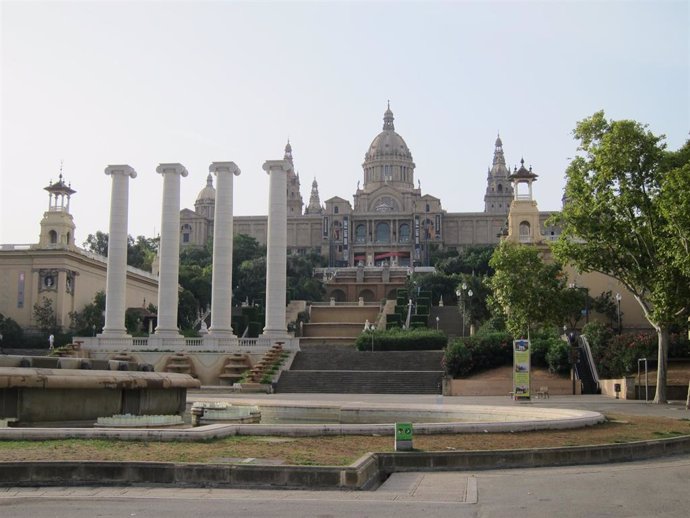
674,203
615,222
97,243
45,317
11,332
473,260
140,252
301,283
528,291
90,319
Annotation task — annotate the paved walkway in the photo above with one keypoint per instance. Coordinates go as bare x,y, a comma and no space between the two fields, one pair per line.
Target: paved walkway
656,488
596,403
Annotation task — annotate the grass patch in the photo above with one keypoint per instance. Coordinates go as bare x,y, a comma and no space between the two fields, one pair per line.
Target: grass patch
336,451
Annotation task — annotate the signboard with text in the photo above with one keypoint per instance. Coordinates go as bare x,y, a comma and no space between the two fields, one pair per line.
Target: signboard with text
521,368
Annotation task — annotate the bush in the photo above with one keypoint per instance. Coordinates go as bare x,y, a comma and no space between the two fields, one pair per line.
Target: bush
557,356
457,359
402,340
478,353
491,349
543,343
617,355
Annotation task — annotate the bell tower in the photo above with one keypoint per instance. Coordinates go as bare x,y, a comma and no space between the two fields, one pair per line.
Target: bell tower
523,218
499,192
57,225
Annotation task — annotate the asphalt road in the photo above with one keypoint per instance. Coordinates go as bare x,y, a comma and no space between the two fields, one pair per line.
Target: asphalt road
658,488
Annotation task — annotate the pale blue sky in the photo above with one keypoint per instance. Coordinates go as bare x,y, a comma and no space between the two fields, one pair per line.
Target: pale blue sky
98,83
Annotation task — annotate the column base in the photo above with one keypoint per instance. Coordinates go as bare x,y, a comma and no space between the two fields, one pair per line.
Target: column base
167,333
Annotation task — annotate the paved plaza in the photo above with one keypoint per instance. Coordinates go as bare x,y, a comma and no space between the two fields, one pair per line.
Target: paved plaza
656,488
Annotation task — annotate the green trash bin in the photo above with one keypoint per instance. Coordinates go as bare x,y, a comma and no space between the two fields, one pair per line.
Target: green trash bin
403,436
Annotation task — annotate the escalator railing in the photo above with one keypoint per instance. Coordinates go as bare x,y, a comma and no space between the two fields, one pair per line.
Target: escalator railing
585,367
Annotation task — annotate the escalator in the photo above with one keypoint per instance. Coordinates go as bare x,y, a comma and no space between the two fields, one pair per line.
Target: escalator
585,369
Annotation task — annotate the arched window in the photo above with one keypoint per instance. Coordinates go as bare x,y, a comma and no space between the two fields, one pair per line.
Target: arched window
52,235
500,188
525,232
360,233
383,232
404,233
336,209
367,295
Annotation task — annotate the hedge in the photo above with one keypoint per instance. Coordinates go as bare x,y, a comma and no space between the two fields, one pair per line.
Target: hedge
402,340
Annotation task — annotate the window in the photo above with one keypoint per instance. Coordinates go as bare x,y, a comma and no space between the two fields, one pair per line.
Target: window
336,209
525,233
404,233
53,237
383,232
360,233
186,233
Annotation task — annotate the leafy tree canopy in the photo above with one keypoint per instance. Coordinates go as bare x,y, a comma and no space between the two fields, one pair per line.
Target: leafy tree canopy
623,217
528,291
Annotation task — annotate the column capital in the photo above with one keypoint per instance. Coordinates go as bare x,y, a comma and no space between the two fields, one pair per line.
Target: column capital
220,167
281,165
171,168
121,169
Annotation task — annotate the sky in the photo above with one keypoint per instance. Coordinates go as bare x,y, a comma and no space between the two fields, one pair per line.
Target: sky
93,83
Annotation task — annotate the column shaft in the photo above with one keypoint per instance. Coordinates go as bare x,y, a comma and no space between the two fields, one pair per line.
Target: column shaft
169,250
116,275
221,283
276,248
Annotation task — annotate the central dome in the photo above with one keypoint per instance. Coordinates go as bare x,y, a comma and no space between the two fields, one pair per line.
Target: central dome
208,193
388,143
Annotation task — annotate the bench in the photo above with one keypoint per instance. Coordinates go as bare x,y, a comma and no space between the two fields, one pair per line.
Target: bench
543,393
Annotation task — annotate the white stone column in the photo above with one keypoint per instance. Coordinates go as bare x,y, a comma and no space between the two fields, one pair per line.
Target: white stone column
116,275
276,249
221,282
169,251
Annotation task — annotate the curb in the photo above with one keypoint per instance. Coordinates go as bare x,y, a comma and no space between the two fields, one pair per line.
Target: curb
366,473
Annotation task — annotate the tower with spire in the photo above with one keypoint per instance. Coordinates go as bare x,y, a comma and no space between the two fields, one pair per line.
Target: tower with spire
57,225
294,197
499,190
314,206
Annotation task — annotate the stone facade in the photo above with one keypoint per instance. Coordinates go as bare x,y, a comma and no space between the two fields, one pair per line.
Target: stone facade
56,269
390,220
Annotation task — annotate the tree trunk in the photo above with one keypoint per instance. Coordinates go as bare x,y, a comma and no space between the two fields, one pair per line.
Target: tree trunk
662,361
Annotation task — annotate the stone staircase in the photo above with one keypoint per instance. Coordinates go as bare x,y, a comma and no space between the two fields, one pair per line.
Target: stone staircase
355,372
450,320
337,325
234,368
180,363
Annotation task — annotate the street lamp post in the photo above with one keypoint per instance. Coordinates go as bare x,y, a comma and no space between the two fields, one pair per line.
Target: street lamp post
618,304
469,303
461,298
437,321
372,328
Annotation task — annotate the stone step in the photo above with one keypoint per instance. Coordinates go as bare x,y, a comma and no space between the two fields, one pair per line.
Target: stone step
339,359
360,382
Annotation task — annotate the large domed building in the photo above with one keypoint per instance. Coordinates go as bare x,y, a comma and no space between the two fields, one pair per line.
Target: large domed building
389,222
